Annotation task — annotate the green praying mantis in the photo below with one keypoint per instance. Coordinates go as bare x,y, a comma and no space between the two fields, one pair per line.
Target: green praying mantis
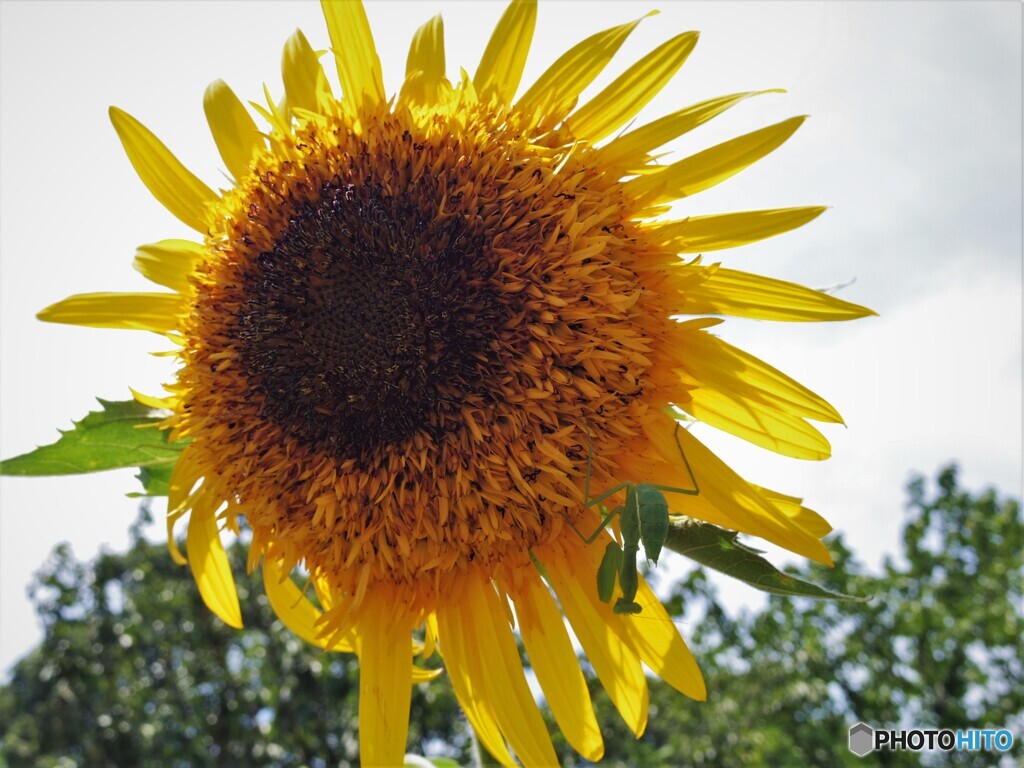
643,519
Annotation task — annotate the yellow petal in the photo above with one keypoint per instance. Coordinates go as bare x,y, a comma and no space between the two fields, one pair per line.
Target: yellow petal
305,84
294,609
501,67
700,234
725,498
359,71
504,678
616,664
385,684
554,662
792,507
712,166
456,635
652,634
234,131
425,65
709,361
169,262
742,294
210,566
556,91
633,147
157,312
176,187
627,95
757,422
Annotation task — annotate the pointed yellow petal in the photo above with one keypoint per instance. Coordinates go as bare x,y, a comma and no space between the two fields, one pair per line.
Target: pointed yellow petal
210,566
501,67
555,664
617,666
700,234
157,312
294,609
628,94
792,507
661,647
426,54
457,638
556,91
176,187
359,71
385,683
634,147
731,501
711,362
234,131
764,425
652,634
712,166
505,680
169,262
305,84
742,294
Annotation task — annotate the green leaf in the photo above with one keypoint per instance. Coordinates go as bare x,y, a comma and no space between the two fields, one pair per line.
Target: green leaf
156,480
719,549
121,435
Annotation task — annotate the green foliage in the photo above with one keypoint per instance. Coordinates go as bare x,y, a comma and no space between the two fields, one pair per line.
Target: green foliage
720,549
122,434
133,670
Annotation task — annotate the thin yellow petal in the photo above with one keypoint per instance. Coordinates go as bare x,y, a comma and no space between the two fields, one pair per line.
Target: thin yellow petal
426,53
628,93
794,509
305,84
712,166
457,638
176,187
652,634
234,131
730,500
294,609
616,664
501,67
633,148
554,661
210,566
359,71
169,262
758,423
742,294
556,91
711,362
385,683
700,234
505,680
159,403
157,312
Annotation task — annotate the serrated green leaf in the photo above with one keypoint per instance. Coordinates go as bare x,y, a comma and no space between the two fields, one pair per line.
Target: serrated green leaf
121,435
719,549
156,481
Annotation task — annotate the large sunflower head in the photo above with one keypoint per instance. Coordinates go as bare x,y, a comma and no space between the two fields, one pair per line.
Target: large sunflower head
417,332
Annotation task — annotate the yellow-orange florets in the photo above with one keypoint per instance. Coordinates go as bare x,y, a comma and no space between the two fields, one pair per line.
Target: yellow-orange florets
407,336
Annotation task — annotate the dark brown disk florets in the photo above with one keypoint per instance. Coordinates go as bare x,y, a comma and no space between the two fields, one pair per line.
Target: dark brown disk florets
368,313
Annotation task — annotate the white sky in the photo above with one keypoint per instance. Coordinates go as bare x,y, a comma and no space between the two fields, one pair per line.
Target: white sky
914,140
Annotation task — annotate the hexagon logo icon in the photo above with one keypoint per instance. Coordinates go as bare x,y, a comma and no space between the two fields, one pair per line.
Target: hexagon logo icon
862,739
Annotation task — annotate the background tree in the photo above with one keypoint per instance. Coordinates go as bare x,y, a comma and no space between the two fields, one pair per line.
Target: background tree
134,670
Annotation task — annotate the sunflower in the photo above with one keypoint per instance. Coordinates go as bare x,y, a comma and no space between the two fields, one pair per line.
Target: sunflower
413,332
